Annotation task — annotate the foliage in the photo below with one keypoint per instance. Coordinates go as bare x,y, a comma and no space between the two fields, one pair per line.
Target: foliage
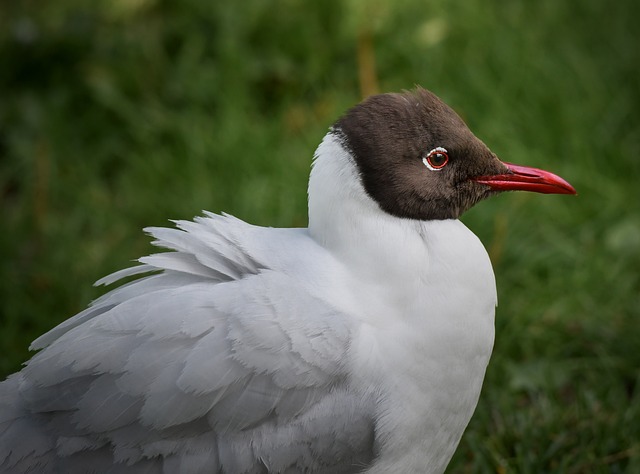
118,115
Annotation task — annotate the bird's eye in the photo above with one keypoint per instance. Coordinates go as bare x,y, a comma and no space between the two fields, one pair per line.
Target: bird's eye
436,159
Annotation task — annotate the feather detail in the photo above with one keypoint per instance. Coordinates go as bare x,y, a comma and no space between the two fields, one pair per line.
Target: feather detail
212,363
124,273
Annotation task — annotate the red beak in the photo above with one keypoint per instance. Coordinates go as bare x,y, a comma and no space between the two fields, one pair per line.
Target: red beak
524,178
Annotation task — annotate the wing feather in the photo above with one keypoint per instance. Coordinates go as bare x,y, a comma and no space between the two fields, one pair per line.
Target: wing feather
218,363
124,273
182,262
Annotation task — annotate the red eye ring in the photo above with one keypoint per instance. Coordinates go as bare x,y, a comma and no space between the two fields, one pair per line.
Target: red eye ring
436,159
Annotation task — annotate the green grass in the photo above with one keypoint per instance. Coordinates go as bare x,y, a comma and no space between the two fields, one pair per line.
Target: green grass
127,114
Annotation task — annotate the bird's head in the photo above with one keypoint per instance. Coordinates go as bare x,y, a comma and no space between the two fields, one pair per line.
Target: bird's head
417,159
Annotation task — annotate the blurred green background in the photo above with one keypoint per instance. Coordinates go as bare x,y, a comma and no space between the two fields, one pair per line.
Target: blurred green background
120,114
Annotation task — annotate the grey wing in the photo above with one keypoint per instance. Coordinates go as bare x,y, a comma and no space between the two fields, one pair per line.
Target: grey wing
184,374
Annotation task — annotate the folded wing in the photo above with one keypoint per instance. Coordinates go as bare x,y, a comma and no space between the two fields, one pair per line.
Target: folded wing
216,364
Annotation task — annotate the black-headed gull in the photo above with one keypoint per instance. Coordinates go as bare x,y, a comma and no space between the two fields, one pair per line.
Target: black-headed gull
358,344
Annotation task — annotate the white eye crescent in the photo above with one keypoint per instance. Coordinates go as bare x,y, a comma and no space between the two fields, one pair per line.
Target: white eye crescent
436,159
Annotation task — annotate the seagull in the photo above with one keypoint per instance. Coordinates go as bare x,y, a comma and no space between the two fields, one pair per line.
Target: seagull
356,345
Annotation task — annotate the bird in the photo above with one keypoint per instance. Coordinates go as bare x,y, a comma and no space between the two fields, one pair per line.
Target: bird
358,344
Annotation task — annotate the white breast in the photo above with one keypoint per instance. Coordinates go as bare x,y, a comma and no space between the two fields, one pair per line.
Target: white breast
425,295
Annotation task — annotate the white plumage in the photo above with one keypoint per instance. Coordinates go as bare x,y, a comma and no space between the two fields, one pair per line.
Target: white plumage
356,345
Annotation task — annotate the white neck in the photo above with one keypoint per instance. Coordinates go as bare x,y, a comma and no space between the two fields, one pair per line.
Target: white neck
334,191
344,219
426,300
